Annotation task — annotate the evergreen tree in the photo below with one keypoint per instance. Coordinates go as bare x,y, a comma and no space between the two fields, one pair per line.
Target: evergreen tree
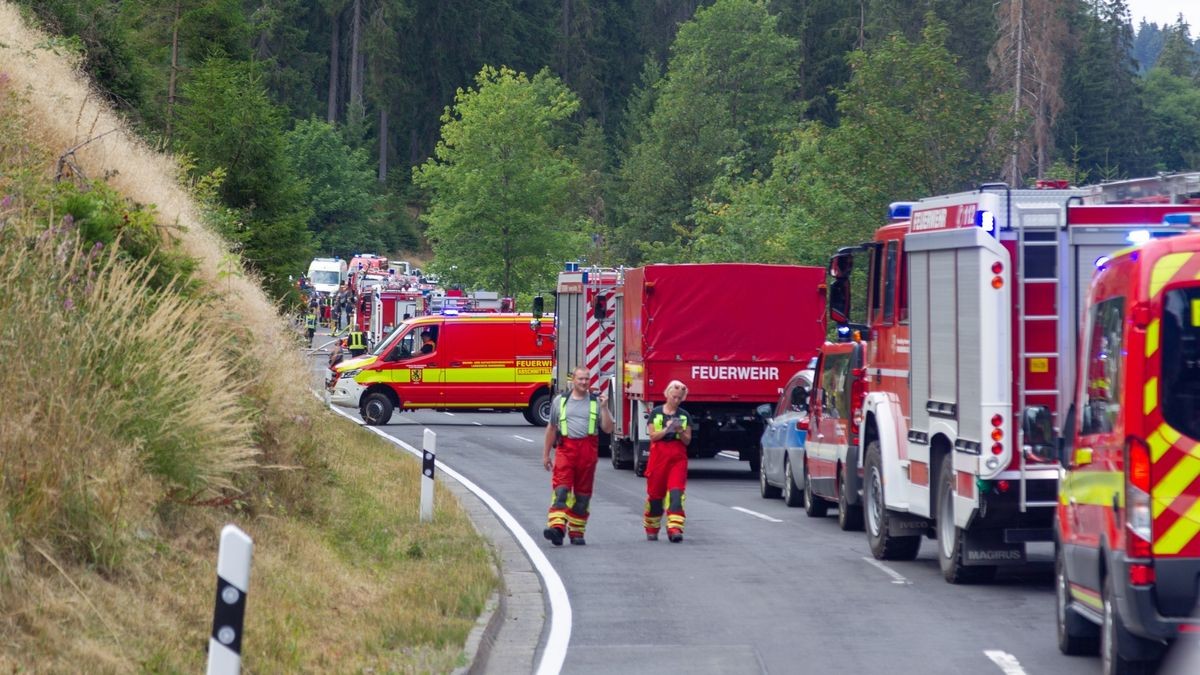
726,96
1179,56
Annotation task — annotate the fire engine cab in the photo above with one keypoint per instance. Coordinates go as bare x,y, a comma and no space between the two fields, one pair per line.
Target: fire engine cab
972,319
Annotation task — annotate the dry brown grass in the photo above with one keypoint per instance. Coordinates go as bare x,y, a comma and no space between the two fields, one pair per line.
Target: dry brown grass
110,462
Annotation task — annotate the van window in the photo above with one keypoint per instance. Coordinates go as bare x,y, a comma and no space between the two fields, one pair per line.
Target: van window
889,284
1102,385
1181,360
835,401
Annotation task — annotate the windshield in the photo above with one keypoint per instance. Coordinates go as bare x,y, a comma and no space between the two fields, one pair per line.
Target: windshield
1181,360
387,342
326,277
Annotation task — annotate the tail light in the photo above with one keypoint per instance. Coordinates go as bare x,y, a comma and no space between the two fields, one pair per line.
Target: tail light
802,425
1137,500
858,394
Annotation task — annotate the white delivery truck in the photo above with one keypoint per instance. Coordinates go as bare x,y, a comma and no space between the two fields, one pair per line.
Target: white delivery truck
326,274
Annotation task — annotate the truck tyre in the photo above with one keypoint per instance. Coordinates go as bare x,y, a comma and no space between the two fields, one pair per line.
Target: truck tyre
622,454
639,468
765,489
884,546
376,408
755,461
1111,661
538,412
814,506
850,516
950,537
1076,635
640,458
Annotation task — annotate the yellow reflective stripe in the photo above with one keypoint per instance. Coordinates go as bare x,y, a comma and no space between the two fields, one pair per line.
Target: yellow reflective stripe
562,416
658,422
1165,269
1150,395
1087,598
1181,532
1095,488
1181,475
1152,337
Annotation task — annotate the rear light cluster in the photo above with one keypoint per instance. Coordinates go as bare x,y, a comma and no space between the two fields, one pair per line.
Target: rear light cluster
858,394
997,432
1137,512
997,280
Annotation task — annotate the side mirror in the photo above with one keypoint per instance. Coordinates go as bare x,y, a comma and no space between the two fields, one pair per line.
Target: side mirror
1066,442
600,307
1037,429
539,306
841,265
764,411
839,301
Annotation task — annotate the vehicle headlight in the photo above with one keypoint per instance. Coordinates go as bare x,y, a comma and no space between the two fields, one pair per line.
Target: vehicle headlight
350,374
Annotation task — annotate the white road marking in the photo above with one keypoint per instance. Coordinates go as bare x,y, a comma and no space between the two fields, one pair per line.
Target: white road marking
478,424
555,652
728,454
897,578
1007,662
527,440
756,514
448,413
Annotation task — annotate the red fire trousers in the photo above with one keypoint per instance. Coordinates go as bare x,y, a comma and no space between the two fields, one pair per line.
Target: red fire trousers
666,476
574,474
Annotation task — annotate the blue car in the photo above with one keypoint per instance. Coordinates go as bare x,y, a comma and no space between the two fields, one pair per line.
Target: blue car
785,428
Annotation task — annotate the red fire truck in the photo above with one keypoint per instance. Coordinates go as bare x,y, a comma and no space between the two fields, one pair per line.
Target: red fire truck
734,333
972,308
1128,516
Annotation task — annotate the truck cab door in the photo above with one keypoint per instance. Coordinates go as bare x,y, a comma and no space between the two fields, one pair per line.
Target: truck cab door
416,377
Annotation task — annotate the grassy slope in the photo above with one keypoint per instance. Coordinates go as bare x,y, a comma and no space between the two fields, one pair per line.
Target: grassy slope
116,473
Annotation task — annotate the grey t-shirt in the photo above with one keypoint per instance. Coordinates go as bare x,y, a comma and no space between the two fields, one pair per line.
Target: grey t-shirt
577,415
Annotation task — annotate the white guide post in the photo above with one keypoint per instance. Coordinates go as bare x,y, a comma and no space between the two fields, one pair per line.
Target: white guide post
233,579
427,464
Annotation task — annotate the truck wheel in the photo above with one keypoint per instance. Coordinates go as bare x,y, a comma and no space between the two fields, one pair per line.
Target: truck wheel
538,412
622,455
850,516
1111,661
376,408
1076,635
639,468
884,546
814,506
755,462
950,537
765,489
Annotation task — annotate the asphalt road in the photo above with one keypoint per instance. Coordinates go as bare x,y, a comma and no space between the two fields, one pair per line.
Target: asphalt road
756,586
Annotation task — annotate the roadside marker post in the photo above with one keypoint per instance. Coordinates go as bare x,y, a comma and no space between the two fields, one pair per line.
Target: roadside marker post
233,579
428,460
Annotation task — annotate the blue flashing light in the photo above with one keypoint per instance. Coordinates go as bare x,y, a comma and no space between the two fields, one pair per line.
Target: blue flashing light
1185,219
449,312
1138,237
986,220
571,266
1101,262
900,210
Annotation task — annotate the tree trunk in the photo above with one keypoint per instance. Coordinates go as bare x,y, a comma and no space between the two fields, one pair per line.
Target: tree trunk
356,75
334,75
174,70
1014,178
383,143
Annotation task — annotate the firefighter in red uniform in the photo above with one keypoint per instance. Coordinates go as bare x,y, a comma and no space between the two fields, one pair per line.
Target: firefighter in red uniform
575,420
670,432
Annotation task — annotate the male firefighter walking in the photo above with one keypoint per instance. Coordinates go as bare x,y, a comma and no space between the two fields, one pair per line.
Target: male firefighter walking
670,432
573,429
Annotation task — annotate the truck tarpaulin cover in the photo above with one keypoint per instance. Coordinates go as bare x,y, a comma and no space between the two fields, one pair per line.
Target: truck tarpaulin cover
731,321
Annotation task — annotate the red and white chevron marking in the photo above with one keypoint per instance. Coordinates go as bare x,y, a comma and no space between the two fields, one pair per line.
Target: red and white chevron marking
601,353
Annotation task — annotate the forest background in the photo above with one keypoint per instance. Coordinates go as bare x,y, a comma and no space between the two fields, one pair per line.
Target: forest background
505,136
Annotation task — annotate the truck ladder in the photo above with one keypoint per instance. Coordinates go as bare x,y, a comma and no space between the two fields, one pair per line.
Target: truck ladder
1038,241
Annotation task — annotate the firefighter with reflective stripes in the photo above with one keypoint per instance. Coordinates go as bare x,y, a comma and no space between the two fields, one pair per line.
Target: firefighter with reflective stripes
356,343
575,421
670,432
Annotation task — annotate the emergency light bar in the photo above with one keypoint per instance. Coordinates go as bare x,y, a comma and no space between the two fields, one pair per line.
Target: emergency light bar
986,220
1138,236
1181,219
900,210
